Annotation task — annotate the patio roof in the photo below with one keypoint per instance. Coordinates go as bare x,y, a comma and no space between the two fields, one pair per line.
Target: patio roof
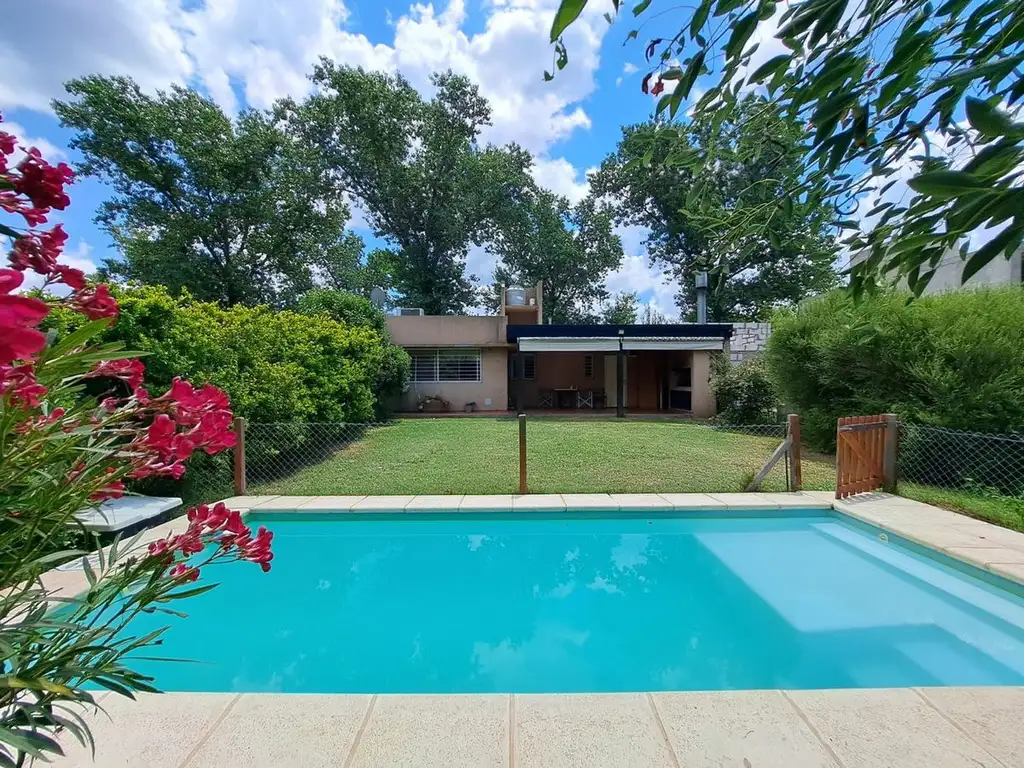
615,343
719,331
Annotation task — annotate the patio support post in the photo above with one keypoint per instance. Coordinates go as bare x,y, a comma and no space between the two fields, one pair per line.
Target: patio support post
620,376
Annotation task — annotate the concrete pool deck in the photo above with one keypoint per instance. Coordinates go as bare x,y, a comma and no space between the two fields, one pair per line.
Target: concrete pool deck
933,727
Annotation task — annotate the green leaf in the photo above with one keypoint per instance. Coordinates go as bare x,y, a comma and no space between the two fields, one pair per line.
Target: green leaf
567,13
31,742
741,32
987,120
1008,238
944,185
641,7
700,16
770,67
692,73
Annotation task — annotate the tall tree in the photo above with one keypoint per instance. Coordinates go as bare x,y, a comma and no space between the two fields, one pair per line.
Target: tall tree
682,207
889,86
572,248
230,209
429,189
622,310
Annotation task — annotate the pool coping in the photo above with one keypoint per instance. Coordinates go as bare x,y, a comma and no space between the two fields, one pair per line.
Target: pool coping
902,726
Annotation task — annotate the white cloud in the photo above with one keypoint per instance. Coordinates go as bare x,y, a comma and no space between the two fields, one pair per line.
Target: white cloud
51,152
46,42
561,177
636,274
629,68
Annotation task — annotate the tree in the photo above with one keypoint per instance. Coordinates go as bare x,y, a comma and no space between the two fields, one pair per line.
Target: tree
651,316
683,207
887,85
417,168
231,210
622,311
572,248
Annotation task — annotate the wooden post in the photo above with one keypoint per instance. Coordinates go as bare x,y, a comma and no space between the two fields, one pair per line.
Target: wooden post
522,453
892,438
239,456
796,478
620,383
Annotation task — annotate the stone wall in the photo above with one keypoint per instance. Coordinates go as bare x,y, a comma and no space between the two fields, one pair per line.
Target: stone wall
748,340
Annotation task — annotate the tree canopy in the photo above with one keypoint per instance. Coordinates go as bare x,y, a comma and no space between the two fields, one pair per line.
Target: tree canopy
622,310
417,168
229,209
782,260
886,85
572,248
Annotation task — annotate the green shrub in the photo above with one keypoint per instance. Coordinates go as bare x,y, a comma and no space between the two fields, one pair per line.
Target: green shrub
347,308
953,360
392,364
276,366
744,392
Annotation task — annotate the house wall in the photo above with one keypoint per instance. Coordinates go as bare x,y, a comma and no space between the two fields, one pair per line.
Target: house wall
748,340
493,386
703,401
447,330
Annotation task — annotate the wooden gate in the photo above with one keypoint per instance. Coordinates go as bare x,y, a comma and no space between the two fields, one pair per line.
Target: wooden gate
865,454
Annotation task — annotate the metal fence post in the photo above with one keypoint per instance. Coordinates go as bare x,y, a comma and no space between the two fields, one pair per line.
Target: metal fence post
889,458
522,453
795,470
239,456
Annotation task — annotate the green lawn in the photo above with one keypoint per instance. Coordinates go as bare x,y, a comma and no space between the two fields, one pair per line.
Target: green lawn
1001,510
477,455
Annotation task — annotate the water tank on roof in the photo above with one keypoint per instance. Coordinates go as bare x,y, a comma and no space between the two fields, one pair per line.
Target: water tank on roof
515,296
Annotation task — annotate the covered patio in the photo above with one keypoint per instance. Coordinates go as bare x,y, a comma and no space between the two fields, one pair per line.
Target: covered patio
642,368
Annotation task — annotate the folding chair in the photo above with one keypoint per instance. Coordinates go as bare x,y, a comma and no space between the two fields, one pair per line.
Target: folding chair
585,399
547,399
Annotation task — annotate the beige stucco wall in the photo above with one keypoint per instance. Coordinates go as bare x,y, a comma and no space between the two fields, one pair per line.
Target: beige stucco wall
703,402
446,330
493,385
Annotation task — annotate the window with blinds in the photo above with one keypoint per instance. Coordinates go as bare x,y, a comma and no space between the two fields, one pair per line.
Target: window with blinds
588,366
445,365
529,367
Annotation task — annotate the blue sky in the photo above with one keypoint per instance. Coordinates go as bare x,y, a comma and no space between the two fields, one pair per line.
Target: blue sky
255,51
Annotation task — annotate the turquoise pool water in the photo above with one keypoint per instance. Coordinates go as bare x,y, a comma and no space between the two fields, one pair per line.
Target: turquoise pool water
585,602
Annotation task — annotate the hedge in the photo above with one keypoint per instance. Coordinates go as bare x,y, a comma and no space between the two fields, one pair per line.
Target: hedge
952,360
277,366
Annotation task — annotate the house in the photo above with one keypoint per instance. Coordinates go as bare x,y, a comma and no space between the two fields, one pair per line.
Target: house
513,361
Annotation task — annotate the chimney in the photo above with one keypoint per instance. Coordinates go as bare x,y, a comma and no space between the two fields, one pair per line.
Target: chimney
702,297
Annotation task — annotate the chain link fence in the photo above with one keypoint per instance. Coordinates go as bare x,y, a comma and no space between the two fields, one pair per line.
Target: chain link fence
481,456
987,464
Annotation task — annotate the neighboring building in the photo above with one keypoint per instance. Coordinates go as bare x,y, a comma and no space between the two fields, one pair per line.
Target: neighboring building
999,271
514,361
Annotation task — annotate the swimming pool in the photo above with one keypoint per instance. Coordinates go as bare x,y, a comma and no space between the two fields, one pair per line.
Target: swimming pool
577,601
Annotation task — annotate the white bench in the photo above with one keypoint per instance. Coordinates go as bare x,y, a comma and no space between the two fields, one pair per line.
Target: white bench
118,514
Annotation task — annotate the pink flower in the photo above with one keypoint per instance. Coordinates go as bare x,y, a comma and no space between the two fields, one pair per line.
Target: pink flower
95,303
141,394
18,339
129,371
114,490
109,404
19,382
43,183
71,277
183,573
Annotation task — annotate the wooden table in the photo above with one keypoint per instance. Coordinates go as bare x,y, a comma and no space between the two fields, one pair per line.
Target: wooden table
569,392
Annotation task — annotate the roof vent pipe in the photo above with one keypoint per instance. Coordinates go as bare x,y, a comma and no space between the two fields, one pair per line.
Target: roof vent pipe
702,297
